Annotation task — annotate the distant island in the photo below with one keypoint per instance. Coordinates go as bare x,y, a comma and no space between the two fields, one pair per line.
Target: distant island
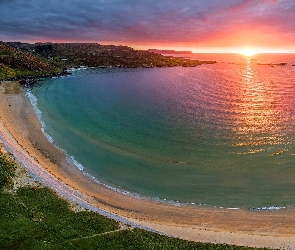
163,52
273,64
24,60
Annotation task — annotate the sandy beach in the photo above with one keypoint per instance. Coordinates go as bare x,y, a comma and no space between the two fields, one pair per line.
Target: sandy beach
21,133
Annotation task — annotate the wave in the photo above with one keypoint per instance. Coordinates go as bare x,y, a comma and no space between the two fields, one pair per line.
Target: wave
34,100
71,159
267,208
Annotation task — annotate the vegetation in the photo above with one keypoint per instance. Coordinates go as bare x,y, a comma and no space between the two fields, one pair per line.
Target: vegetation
6,72
42,59
96,55
7,170
15,63
36,218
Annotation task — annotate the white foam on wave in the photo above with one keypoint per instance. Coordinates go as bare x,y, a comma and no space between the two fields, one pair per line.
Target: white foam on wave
118,190
121,190
34,101
268,208
71,159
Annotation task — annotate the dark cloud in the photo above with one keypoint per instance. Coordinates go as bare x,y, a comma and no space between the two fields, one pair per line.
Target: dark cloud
145,21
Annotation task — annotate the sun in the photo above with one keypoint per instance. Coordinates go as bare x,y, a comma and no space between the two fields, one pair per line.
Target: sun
248,52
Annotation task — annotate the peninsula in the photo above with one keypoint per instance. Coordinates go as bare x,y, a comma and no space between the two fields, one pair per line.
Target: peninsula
163,52
24,60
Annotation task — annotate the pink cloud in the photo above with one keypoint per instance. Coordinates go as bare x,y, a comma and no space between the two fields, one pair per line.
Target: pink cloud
211,23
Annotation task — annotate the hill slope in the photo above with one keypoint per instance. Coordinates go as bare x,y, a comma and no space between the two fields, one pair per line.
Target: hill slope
15,63
22,59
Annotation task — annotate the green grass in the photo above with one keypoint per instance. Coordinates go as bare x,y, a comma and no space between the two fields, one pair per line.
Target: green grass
7,170
40,215
36,218
6,72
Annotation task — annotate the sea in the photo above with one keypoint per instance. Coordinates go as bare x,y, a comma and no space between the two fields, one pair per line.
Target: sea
220,135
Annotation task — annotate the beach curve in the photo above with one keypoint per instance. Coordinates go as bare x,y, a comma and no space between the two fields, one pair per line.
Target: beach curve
21,133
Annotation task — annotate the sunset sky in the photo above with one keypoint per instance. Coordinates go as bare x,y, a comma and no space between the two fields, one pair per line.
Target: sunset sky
197,25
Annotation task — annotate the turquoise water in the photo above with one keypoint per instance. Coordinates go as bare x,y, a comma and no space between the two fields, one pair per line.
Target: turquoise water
220,135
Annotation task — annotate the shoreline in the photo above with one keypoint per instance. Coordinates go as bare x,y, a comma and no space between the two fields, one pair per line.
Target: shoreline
72,161
21,133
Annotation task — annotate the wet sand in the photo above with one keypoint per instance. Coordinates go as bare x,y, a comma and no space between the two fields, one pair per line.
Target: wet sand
21,133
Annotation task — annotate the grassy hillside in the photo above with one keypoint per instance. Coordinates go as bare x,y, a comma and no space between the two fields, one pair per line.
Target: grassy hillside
15,63
34,217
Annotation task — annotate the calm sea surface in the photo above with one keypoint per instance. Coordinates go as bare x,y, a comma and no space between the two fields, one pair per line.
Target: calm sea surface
220,135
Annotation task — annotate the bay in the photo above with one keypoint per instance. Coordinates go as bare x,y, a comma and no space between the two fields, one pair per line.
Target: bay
220,135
